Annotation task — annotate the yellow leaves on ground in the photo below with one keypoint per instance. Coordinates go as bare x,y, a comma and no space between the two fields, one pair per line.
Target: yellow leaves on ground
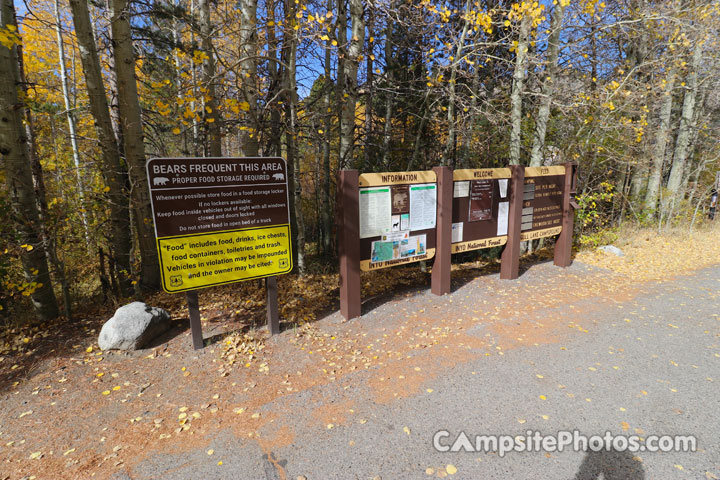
653,256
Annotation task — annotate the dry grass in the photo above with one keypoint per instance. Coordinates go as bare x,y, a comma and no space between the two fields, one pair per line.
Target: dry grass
650,255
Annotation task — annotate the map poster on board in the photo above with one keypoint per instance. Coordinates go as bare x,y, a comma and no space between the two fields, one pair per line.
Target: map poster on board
481,200
398,248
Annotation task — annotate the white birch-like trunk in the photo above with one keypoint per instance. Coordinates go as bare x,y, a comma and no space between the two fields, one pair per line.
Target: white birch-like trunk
249,146
113,170
357,30
517,90
212,117
132,128
548,89
70,115
449,150
685,132
662,135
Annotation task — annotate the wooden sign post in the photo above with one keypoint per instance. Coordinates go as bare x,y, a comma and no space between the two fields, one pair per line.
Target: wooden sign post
510,257
220,221
349,243
194,313
563,245
441,279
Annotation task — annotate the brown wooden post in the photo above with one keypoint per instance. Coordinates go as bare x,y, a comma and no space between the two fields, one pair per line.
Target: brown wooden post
348,236
510,259
563,245
194,313
440,280
273,319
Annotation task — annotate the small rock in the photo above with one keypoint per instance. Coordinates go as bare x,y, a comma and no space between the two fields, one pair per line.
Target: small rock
612,249
133,326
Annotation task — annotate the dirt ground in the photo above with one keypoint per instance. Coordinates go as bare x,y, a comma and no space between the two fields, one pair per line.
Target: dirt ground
70,410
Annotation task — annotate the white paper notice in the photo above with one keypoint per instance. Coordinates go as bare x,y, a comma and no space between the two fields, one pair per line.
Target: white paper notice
457,232
461,189
502,183
375,211
503,209
423,203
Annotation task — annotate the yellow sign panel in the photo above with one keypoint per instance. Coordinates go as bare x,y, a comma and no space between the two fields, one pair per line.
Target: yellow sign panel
478,244
481,174
196,261
544,171
397,178
535,234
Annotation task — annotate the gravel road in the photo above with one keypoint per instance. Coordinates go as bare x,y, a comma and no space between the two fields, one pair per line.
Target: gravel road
639,359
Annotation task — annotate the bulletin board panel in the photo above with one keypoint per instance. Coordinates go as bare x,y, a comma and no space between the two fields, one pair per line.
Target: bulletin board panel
543,194
481,204
398,218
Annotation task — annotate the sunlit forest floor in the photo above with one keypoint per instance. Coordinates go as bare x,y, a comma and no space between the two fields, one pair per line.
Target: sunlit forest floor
105,404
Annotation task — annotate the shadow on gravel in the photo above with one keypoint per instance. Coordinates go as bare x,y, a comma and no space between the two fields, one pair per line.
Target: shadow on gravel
610,465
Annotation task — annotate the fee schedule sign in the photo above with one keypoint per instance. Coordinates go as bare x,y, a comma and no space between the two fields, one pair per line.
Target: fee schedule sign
220,220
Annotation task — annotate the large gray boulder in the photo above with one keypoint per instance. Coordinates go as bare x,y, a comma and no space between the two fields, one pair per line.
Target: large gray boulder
133,326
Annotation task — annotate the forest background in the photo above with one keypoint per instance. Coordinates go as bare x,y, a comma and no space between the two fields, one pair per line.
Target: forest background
89,91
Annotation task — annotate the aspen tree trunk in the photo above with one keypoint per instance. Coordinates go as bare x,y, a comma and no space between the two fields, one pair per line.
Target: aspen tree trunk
548,88
662,136
347,133
685,131
341,90
193,78
449,150
639,181
370,87
131,125
389,94
275,70
293,158
178,70
112,166
18,177
48,238
517,90
248,73
690,171
212,117
328,87
470,122
70,115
